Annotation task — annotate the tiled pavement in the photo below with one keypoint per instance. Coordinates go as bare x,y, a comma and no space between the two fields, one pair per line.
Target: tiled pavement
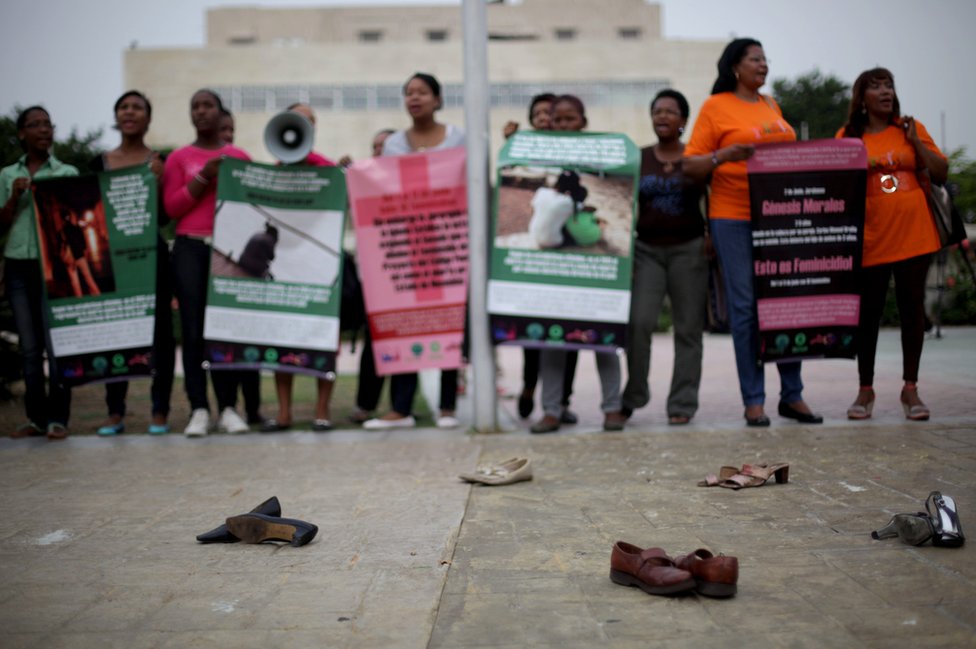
97,549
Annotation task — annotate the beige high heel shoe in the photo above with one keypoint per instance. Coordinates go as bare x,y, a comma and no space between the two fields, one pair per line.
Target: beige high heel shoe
863,405
750,475
914,409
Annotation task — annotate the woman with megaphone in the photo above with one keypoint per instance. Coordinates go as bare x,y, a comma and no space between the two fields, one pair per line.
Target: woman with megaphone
287,149
190,198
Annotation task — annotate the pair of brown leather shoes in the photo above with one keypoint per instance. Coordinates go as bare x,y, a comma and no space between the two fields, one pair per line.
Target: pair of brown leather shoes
263,523
654,572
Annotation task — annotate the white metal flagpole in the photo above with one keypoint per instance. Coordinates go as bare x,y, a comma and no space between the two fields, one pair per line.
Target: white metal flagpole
476,104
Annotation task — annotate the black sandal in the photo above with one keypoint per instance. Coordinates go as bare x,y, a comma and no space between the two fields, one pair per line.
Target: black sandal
274,426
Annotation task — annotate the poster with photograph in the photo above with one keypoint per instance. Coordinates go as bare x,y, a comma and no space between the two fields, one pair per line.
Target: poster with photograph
411,218
562,240
97,240
807,201
276,268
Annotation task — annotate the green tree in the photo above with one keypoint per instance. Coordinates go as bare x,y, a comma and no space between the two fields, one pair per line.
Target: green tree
817,100
962,178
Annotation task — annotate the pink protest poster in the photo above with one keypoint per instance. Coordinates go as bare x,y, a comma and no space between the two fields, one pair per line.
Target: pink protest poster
411,221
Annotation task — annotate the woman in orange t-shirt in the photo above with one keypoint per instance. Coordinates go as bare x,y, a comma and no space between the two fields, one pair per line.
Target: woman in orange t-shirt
730,124
899,233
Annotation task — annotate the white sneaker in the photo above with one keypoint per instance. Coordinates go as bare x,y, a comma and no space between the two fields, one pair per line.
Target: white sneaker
231,422
199,423
447,421
386,424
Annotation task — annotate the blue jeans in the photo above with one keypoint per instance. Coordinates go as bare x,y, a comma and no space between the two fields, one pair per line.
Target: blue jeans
43,404
733,243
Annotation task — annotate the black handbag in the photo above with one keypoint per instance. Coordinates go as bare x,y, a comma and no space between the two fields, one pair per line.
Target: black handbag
948,221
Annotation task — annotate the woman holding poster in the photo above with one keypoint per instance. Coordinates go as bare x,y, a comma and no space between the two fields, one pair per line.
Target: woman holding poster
569,115
47,407
899,233
731,123
284,381
422,98
190,198
133,113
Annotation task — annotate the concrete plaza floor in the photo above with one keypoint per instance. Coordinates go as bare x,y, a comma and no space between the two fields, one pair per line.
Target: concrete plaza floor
97,547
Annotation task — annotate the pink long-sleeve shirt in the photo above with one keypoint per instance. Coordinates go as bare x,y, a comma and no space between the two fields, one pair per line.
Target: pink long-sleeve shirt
193,216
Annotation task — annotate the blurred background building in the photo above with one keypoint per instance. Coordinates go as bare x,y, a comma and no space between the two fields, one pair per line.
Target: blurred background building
350,64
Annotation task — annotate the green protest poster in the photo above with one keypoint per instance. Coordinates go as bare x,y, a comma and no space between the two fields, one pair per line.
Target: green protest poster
97,239
276,268
562,244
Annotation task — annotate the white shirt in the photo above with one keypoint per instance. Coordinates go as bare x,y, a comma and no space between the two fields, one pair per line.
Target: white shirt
550,211
398,144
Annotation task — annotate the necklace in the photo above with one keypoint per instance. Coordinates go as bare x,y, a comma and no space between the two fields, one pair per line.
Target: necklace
668,165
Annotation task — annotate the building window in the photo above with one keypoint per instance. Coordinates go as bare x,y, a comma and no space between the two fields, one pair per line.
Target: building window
565,34
500,36
354,98
629,32
242,39
370,36
285,96
436,35
388,96
322,97
254,99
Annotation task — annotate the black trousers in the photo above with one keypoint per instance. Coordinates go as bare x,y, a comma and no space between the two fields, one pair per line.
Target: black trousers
910,275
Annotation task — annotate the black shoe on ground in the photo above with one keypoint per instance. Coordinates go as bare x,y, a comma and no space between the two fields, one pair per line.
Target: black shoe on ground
220,534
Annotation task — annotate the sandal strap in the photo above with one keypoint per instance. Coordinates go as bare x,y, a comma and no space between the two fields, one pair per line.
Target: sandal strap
756,470
739,479
655,557
712,480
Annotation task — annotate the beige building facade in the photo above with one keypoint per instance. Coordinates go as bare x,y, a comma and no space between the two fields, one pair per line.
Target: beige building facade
350,65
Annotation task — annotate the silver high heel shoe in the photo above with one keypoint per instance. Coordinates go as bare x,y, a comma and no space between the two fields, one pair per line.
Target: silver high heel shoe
945,520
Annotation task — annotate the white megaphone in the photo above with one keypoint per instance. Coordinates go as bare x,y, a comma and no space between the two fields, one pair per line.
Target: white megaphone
289,137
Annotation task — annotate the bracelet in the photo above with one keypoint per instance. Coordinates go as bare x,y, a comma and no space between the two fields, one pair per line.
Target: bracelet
715,161
200,179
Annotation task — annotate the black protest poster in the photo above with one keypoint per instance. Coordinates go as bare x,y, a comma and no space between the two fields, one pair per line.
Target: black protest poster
807,202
